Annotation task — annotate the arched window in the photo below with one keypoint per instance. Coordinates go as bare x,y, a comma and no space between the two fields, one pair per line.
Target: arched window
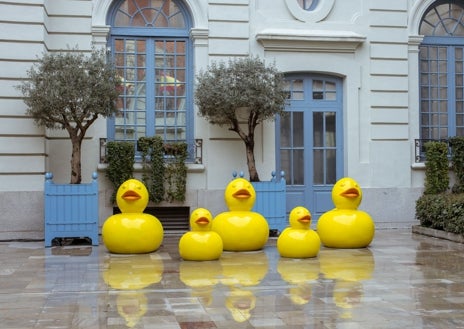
441,71
308,4
150,47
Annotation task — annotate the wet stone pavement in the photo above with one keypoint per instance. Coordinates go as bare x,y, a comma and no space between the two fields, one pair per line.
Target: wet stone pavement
402,280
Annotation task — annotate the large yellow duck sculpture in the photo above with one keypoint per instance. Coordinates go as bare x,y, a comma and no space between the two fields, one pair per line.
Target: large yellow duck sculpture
240,228
299,240
345,226
201,243
132,231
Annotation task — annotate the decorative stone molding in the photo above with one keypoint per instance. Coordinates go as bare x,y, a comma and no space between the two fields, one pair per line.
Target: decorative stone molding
318,14
309,40
100,35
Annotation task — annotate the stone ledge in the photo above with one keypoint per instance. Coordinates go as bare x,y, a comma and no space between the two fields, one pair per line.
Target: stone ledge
417,229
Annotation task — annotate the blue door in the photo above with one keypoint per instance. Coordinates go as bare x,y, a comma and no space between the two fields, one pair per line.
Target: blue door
310,140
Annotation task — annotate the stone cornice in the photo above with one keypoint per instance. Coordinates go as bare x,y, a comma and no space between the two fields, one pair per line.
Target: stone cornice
309,40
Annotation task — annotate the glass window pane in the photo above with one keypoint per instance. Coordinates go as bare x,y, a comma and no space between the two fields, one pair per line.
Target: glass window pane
444,19
298,167
298,129
285,164
318,162
331,96
154,13
330,129
308,5
331,165
297,89
318,129
285,130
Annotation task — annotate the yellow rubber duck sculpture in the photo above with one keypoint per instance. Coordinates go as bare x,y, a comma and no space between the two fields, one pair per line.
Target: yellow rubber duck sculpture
240,228
201,243
299,240
132,231
345,226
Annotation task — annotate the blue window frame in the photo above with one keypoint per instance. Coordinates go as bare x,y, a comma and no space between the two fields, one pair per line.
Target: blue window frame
308,5
151,49
441,60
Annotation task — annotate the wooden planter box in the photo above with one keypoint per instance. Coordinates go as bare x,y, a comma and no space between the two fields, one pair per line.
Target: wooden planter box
71,210
271,202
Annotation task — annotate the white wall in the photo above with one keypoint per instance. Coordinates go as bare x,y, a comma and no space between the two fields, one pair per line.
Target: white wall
371,45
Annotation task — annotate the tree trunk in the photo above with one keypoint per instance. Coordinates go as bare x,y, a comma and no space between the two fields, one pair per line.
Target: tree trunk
250,145
76,172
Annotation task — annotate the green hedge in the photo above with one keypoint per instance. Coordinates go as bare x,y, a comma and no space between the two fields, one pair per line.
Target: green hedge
120,158
438,207
164,171
442,212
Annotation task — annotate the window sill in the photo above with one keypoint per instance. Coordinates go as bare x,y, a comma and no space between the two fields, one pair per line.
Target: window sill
191,167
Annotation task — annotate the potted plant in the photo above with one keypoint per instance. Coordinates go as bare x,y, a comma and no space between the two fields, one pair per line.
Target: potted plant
245,88
70,90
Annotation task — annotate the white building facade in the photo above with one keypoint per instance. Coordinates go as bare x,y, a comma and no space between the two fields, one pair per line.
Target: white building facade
355,70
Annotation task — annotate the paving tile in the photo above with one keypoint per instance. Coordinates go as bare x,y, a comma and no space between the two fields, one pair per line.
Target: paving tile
402,280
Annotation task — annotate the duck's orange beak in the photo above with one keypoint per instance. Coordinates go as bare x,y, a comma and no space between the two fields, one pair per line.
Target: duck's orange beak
202,221
305,219
351,193
131,196
242,194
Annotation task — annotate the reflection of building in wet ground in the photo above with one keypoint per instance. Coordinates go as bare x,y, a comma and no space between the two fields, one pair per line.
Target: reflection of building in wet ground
401,281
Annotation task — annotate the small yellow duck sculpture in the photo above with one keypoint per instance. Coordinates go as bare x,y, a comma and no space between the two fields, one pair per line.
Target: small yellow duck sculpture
240,228
345,226
132,231
201,243
299,240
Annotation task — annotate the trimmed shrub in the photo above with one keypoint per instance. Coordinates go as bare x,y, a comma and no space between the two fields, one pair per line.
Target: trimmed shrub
436,168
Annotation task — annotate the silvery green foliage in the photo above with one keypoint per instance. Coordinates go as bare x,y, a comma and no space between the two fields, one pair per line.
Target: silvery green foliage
69,90
245,89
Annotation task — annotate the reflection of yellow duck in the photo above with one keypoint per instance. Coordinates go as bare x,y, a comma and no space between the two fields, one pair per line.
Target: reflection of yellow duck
200,243
240,303
201,277
243,268
298,240
299,273
347,268
345,226
240,228
133,272
128,274
132,231
131,305
239,270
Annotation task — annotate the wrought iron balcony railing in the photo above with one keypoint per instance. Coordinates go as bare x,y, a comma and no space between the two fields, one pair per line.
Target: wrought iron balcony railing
419,145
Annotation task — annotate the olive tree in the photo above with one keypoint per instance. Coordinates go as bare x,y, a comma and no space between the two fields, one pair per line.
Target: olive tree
224,92
70,90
